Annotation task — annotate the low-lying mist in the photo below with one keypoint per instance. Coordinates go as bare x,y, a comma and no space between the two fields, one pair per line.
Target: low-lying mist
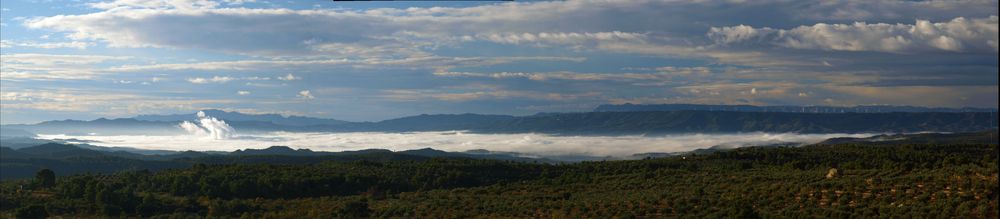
529,143
211,134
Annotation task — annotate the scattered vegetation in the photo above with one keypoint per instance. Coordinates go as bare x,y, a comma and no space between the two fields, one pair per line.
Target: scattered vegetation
870,180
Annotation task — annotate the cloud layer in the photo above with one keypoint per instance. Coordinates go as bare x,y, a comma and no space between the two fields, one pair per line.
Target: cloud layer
371,61
537,144
958,35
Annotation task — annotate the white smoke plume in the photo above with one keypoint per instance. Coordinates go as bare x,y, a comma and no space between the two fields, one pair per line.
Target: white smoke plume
209,127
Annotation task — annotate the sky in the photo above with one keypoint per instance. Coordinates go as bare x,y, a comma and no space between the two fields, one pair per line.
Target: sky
368,61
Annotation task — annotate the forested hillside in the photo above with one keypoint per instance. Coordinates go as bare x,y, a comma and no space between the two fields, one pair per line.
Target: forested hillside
67,159
834,180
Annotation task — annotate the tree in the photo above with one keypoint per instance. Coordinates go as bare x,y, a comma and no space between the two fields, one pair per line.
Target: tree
31,212
45,178
148,207
355,209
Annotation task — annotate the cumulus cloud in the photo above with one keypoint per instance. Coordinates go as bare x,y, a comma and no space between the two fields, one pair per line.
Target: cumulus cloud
958,35
289,77
305,94
215,79
203,24
243,93
208,127
129,22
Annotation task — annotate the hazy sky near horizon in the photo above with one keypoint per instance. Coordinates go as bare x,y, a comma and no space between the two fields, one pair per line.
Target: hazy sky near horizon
357,61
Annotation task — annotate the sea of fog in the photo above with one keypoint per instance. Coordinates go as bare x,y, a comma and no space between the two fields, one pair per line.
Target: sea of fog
211,134
530,143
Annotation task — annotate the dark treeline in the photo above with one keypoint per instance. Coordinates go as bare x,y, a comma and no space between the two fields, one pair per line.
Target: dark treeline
838,180
67,159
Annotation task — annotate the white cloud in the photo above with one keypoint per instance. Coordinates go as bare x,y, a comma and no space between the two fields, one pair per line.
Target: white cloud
659,74
305,94
33,66
484,93
202,24
405,63
52,59
214,79
45,45
224,79
109,103
529,143
208,127
238,2
556,38
289,77
243,93
958,35
142,4
799,42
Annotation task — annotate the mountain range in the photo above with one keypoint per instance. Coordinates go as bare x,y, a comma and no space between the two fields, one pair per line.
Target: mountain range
276,119
584,123
788,109
69,159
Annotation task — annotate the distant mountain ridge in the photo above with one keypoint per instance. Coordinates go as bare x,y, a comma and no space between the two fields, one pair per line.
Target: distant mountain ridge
673,122
237,116
122,126
586,123
788,109
15,133
67,159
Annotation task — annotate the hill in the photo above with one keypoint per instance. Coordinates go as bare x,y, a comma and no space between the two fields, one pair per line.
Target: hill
989,137
788,109
588,123
276,119
67,159
102,126
15,133
56,150
440,122
847,180
667,122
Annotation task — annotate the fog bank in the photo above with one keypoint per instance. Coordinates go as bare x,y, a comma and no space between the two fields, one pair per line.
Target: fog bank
530,143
